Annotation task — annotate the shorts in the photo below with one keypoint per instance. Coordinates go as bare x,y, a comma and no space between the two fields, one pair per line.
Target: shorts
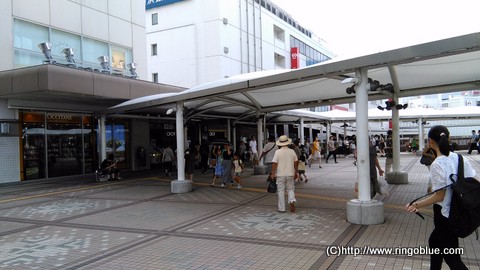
238,174
301,172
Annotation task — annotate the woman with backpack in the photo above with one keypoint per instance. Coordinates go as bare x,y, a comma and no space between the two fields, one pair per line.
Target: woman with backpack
442,167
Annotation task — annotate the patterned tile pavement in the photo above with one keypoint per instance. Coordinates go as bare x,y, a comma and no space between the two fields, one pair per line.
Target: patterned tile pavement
137,224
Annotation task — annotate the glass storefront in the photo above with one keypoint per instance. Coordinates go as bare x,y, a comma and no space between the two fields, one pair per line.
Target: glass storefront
117,134
57,144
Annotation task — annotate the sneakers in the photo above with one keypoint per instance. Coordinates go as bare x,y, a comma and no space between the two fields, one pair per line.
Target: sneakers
212,185
239,187
292,207
222,185
306,180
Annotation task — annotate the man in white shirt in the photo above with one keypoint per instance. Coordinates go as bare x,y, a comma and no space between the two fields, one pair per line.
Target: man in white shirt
268,153
253,151
285,170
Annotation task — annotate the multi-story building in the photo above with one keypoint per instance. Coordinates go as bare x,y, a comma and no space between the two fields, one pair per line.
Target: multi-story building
48,100
198,41
193,42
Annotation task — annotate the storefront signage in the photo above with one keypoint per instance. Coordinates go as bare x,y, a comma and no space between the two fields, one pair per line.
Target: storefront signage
59,117
159,3
294,58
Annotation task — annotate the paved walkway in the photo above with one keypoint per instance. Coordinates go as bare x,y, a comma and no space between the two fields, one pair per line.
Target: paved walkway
75,223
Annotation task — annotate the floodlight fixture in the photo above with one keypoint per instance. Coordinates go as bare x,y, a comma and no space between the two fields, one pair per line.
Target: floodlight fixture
387,88
132,67
380,108
46,48
69,53
104,63
350,90
373,85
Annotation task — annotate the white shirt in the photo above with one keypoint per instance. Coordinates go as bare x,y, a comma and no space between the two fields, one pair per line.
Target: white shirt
440,171
285,158
253,146
270,148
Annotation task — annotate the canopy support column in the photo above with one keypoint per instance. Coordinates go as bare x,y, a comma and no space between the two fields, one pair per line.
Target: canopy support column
363,210
103,138
180,185
396,176
260,168
421,139
302,131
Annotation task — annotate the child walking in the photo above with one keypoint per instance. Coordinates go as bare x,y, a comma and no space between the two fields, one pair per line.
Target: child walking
218,166
302,167
238,169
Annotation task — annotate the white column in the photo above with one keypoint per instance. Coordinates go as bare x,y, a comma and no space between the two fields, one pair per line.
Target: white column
234,139
302,133
275,132
328,128
285,130
363,157
229,130
421,142
396,136
310,133
260,139
103,137
180,142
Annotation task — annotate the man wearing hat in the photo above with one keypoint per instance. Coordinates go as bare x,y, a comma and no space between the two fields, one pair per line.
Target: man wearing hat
268,153
285,170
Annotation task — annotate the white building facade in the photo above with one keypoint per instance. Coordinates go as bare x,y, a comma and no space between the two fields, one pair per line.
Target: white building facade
191,42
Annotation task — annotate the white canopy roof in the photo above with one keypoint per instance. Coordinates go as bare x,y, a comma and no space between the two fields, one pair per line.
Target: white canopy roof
436,67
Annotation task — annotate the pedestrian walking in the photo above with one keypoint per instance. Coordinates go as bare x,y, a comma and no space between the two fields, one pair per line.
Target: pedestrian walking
332,149
227,156
268,153
444,165
302,168
217,160
237,169
285,170
315,153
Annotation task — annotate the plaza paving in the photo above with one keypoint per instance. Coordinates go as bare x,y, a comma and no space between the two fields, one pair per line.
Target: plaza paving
136,223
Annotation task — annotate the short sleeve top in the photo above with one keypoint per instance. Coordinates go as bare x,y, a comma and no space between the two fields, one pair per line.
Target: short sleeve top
440,171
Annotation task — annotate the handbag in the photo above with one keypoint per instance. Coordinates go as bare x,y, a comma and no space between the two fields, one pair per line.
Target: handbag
272,185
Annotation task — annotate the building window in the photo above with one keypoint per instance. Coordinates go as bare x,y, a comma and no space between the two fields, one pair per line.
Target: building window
154,49
155,77
154,18
92,49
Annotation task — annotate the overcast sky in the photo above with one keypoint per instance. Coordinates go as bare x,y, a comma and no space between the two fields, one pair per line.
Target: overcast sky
354,27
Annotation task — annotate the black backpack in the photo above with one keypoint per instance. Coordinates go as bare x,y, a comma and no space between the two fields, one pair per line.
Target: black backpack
464,217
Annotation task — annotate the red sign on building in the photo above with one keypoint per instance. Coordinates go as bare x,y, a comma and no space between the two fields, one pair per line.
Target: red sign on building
294,58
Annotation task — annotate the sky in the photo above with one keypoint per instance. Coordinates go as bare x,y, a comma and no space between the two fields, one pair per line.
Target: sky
354,27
